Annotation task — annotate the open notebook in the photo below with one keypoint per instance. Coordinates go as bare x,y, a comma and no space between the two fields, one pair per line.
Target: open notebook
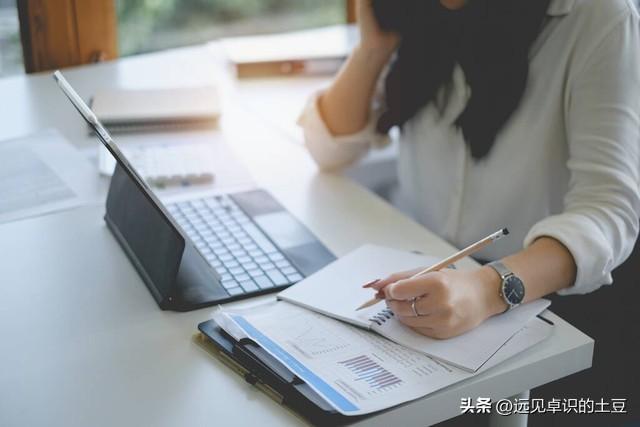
336,291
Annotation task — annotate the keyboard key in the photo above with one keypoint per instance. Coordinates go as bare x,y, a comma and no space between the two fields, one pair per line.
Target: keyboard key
218,228
249,265
234,229
267,265
287,271
244,241
228,284
261,259
255,272
249,286
197,204
236,270
216,245
212,203
263,282
207,235
235,291
239,253
241,277
244,259
220,251
254,252
283,264
232,264
259,238
225,257
277,277
293,278
234,247
226,277
276,256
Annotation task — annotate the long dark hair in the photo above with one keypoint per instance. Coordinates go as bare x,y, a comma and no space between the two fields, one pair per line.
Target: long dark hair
490,39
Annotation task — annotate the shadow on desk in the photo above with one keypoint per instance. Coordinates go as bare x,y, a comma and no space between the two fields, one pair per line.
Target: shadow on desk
611,316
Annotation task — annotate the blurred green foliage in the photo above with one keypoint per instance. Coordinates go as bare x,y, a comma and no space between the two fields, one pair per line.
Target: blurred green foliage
147,25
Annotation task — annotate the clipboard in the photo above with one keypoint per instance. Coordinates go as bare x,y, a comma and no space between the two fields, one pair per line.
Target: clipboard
263,371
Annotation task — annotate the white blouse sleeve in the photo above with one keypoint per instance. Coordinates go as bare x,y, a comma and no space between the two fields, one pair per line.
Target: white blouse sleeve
599,224
336,152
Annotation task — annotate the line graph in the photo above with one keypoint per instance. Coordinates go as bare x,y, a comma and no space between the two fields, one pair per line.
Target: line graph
313,342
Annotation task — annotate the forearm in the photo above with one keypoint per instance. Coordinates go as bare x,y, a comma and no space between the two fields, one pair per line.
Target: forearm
345,105
546,266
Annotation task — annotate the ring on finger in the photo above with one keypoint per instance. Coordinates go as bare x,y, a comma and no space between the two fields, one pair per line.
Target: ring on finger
413,307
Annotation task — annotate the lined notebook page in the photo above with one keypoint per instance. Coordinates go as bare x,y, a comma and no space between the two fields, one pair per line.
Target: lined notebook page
337,291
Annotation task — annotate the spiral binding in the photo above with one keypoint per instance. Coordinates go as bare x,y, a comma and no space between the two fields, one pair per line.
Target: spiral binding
381,317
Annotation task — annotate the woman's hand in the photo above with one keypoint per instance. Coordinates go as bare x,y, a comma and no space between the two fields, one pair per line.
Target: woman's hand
448,302
345,106
372,38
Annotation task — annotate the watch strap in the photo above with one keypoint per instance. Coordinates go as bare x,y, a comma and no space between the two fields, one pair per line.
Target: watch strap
501,269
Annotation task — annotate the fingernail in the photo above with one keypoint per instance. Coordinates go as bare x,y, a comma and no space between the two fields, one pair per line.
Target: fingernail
371,283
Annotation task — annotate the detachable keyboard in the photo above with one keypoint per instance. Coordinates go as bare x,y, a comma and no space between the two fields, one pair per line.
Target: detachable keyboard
244,257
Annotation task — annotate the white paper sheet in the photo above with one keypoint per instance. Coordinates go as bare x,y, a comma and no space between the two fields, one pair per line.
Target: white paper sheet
355,371
43,173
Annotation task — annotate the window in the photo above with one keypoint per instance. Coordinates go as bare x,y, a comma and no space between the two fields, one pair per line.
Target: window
148,25
10,47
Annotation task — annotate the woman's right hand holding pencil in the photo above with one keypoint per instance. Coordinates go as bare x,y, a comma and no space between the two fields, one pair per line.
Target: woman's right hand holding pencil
442,304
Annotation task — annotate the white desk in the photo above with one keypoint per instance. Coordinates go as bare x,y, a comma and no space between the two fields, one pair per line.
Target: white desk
83,342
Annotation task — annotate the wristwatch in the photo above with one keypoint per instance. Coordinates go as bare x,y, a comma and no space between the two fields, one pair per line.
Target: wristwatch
512,288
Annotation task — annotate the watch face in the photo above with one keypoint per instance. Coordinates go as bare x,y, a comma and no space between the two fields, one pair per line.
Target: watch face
513,290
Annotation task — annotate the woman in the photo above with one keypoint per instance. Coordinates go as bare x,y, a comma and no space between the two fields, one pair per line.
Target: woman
516,113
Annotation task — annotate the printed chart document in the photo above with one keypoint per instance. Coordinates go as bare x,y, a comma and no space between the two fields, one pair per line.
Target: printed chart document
355,371
43,173
337,291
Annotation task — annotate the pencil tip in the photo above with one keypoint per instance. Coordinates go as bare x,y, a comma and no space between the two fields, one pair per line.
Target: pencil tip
505,231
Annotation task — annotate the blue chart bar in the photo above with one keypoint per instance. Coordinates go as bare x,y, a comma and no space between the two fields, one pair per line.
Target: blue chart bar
369,371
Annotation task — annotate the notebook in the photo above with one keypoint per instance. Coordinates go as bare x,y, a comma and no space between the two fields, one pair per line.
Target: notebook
122,110
336,291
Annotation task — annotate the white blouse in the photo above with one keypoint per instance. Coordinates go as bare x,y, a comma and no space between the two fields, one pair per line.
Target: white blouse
566,165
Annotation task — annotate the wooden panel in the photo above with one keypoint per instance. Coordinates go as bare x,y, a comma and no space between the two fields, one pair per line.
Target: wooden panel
62,33
351,11
97,30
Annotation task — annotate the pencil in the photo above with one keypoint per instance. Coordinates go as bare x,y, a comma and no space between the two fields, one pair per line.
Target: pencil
471,249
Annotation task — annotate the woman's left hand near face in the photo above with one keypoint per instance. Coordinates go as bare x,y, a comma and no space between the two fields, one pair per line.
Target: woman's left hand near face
448,302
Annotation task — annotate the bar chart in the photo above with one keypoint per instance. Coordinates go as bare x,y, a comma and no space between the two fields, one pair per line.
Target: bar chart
369,371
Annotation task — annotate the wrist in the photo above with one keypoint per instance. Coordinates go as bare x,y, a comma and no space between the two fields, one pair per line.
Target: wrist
489,283
372,55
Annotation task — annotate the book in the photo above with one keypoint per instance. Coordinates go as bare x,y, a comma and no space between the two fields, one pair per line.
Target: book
296,52
125,110
336,291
